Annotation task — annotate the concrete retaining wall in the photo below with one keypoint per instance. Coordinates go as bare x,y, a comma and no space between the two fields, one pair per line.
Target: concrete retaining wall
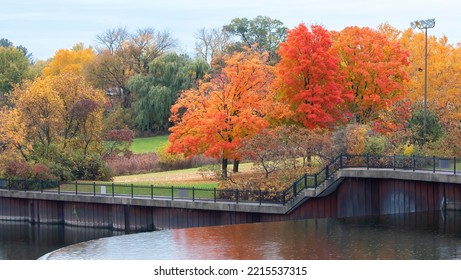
354,195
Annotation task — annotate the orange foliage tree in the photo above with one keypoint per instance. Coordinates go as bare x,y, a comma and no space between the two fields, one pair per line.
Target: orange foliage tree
375,66
309,78
214,118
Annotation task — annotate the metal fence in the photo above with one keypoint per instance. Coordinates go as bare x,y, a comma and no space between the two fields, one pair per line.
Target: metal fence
143,191
397,162
394,162
308,181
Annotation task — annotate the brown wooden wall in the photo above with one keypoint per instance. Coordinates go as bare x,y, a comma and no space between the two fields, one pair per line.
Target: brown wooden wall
374,196
353,197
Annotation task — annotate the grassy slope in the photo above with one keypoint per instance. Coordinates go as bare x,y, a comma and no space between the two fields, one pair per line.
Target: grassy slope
148,144
183,177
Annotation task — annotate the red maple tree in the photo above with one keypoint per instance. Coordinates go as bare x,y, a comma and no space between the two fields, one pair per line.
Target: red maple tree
309,78
375,66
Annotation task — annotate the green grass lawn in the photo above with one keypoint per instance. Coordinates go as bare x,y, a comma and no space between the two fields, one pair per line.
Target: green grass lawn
165,184
158,190
148,144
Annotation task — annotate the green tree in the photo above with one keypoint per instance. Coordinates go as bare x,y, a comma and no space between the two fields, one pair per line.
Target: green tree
433,131
262,33
7,43
157,91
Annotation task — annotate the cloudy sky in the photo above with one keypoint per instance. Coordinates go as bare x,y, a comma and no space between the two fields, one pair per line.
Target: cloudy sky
45,26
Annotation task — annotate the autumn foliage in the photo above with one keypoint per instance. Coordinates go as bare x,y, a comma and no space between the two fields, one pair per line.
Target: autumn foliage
215,118
56,120
70,61
443,79
283,102
62,110
375,69
309,78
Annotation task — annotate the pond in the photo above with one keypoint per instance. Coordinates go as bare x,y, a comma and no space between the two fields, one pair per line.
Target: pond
425,235
25,241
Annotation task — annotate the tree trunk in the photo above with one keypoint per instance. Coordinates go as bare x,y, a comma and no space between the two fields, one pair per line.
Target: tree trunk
235,169
224,168
23,153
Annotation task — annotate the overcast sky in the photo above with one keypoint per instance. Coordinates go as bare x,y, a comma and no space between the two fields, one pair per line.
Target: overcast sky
45,26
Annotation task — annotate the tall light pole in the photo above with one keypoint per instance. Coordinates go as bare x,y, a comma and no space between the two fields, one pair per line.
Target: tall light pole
424,24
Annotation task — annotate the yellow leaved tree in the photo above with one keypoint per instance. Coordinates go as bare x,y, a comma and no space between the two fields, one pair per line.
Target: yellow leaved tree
74,60
61,111
443,80
12,133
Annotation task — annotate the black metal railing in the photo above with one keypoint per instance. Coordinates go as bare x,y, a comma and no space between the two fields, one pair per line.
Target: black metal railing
394,162
143,191
216,195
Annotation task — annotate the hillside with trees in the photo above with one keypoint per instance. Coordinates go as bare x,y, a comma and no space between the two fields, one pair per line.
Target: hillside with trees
287,100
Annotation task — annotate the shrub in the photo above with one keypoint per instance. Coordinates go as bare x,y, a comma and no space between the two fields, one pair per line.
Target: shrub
61,171
377,145
168,161
22,170
91,167
135,164
17,170
433,130
408,149
41,172
250,185
119,141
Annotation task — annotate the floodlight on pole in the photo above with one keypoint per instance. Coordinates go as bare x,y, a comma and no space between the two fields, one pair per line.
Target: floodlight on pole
424,24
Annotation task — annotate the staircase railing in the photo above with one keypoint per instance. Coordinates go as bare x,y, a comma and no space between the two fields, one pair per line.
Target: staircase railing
394,162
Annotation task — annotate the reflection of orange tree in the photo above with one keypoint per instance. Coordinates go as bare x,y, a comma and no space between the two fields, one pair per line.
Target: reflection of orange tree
235,242
307,239
386,237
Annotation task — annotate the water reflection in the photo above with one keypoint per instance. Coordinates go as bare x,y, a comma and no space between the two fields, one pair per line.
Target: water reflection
25,241
428,235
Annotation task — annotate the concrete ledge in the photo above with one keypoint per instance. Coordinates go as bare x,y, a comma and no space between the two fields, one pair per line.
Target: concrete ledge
323,189
156,202
401,175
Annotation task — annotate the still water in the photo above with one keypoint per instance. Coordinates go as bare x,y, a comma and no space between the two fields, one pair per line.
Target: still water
428,235
24,241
